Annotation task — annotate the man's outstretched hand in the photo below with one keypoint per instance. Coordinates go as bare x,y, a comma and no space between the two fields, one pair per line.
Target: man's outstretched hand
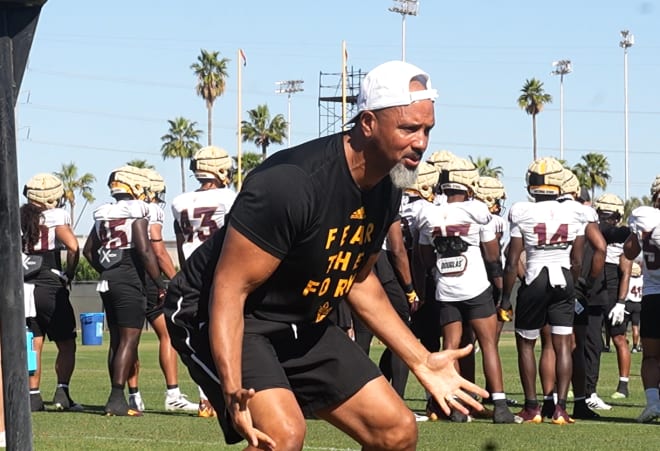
242,420
439,376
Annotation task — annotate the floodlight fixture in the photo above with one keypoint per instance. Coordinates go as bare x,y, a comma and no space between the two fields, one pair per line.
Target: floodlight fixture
289,87
562,67
627,41
405,8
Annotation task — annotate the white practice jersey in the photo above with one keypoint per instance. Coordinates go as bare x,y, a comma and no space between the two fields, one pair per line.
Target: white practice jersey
50,219
458,277
156,214
643,222
613,253
548,230
635,289
409,211
198,214
114,222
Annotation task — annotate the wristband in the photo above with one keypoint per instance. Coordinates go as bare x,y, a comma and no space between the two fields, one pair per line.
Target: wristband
408,288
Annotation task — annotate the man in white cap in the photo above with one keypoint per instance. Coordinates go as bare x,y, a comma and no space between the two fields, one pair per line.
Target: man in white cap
309,224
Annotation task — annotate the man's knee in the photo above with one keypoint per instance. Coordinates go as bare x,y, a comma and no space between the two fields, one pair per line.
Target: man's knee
398,435
289,434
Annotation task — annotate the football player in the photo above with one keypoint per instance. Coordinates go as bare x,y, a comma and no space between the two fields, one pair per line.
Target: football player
645,237
634,304
551,234
440,159
452,237
46,230
610,211
167,357
198,214
118,248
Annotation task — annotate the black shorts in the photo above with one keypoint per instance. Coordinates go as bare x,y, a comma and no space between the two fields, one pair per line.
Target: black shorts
539,303
319,363
125,305
55,317
480,306
154,310
634,309
614,331
650,317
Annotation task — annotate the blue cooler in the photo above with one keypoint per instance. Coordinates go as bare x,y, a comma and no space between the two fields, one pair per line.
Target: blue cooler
92,328
31,354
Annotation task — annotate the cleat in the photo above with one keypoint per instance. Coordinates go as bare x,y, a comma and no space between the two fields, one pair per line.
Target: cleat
619,395
135,402
561,417
63,402
36,403
179,402
119,408
420,418
649,413
531,415
502,415
548,408
205,409
457,417
433,410
582,412
595,403
485,414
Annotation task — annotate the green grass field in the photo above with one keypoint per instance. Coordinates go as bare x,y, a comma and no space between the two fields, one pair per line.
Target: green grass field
160,430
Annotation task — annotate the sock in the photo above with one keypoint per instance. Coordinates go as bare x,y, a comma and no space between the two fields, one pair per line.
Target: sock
531,403
202,395
561,403
652,396
117,392
578,399
173,391
35,391
133,390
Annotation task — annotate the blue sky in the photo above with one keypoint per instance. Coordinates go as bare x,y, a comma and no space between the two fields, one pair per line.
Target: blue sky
104,78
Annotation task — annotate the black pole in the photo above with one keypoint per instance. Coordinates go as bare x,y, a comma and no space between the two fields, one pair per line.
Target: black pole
18,21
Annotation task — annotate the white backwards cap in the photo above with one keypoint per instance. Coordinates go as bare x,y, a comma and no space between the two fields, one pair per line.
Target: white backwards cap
388,85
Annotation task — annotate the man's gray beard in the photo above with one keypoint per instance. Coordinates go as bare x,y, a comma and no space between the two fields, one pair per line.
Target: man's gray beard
403,177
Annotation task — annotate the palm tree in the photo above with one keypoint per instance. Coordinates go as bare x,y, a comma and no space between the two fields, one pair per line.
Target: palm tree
262,131
249,161
142,164
633,203
72,184
593,171
532,100
211,75
483,165
181,141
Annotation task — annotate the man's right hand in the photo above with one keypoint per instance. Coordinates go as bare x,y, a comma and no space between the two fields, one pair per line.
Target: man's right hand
237,405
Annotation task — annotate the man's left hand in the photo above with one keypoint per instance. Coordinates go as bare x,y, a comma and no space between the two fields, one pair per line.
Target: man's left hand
439,376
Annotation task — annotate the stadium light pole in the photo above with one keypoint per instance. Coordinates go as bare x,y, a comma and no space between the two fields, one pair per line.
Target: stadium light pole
562,67
405,8
289,87
627,41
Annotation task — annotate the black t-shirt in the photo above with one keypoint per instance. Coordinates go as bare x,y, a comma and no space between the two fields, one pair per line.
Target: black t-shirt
303,207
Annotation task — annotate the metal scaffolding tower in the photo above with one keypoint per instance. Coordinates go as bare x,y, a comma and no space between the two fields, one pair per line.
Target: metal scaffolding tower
330,99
